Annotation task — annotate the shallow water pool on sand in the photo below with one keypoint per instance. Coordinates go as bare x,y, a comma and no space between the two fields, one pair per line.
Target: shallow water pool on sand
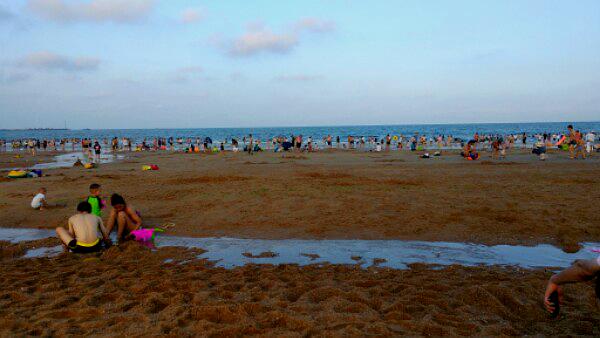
229,252
397,254
67,160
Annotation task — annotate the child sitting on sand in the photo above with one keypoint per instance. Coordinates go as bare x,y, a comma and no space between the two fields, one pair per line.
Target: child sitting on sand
39,200
124,216
82,235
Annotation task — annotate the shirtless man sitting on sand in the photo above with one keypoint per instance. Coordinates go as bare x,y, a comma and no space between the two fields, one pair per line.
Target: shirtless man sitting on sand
124,216
82,235
580,271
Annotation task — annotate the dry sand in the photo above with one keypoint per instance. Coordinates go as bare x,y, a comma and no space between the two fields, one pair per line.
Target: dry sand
130,290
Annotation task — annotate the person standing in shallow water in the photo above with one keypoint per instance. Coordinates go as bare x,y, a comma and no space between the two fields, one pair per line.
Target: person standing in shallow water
250,144
572,141
97,151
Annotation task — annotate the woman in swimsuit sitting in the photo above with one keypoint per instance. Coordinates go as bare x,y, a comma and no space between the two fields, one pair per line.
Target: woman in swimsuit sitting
124,216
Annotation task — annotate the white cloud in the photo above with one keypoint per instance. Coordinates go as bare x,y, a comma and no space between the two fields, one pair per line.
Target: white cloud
119,11
260,39
191,15
314,25
52,61
298,78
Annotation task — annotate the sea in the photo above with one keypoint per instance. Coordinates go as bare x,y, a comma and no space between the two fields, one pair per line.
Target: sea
461,131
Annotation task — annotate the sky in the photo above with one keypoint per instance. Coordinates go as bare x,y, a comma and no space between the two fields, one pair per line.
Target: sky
229,63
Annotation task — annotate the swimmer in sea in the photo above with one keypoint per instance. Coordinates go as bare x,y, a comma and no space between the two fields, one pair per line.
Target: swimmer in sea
124,216
82,234
580,271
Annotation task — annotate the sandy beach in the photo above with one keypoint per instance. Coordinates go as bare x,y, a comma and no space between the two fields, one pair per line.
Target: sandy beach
328,195
337,194
299,168
129,290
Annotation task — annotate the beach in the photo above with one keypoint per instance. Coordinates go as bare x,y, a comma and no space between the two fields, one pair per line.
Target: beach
299,168
130,290
333,194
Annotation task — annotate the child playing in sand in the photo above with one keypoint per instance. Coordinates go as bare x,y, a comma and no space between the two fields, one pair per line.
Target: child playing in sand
95,200
124,216
39,200
82,235
581,270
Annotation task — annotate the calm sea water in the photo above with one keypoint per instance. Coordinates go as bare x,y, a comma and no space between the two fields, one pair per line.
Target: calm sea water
464,131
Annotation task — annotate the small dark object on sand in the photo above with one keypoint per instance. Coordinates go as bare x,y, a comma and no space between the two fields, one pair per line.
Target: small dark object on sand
555,303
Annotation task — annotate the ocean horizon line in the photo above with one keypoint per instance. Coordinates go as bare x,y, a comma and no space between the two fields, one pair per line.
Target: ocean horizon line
302,126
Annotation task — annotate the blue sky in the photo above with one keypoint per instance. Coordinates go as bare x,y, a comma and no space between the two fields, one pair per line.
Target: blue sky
159,63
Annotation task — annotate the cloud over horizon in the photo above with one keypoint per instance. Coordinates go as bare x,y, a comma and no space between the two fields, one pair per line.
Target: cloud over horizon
51,61
116,11
258,38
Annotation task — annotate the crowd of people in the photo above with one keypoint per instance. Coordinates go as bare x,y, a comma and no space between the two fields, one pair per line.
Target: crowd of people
86,231
578,143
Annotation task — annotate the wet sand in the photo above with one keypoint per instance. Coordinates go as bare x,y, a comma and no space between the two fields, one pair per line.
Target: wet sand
130,290
17,160
337,195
